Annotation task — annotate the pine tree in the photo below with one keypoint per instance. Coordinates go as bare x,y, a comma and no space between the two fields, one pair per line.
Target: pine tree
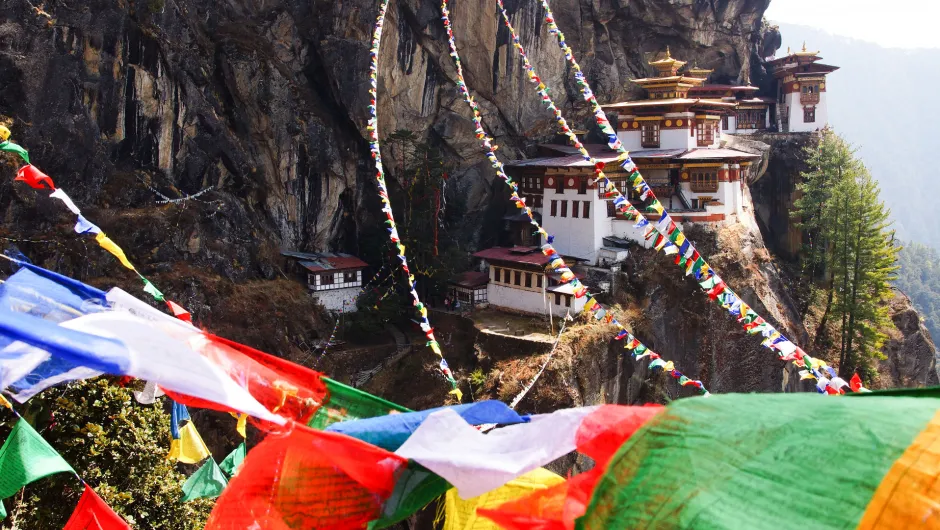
849,247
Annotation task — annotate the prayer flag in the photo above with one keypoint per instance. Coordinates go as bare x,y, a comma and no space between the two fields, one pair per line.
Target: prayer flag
476,463
738,459
855,383
391,431
92,513
11,147
26,457
207,482
234,459
59,194
298,479
189,447
149,394
461,514
34,178
111,247
84,226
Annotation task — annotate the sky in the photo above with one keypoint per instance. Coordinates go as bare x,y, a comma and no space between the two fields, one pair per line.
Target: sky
892,24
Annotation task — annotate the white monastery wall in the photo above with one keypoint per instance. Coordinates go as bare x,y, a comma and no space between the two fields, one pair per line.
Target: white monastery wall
333,299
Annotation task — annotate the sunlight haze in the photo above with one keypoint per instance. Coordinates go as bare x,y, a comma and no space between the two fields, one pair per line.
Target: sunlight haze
905,24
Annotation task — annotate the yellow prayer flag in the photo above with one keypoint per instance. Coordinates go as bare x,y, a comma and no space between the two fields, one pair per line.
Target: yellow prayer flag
3,400
4,133
589,304
461,514
242,422
189,449
456,392
111,247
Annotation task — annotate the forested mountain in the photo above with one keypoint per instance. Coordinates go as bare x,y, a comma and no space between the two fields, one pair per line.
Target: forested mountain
919,278
880,102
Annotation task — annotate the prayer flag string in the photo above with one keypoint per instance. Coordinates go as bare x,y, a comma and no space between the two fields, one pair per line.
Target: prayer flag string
36,179
555,261
373,128
668,236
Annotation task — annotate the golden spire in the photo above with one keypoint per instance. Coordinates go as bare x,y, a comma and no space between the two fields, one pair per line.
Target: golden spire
669,55
804,46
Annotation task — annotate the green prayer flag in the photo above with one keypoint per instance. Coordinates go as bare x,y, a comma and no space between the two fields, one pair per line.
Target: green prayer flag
11,147
743,461
347,403
3,511
697,266
25,457
234,460
414,489
208,481
152,290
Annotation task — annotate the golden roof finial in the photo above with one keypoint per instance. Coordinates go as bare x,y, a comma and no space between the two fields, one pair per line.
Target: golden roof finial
668,54
804,46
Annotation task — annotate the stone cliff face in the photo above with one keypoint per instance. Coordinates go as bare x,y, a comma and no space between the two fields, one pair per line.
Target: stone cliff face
911,353
264,103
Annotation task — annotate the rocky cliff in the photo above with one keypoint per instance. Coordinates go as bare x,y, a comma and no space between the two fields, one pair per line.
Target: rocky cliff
264,103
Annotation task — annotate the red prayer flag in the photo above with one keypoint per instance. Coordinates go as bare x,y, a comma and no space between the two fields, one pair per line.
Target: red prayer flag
855,383
179,311
35,178
307,479
92,513
286,389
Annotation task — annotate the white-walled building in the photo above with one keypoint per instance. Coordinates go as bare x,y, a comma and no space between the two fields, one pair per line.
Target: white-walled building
518,281
801,91
674,140
468,289
333,278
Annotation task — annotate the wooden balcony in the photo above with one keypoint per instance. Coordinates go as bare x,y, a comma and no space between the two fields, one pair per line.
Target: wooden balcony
809,99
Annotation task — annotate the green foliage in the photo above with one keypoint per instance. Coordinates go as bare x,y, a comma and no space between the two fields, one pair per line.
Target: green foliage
429,213
919,278
850,250
155,6
477,377
118,446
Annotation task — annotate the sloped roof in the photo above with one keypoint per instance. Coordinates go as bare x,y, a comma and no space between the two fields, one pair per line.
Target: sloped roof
708,153
324,261
527,255
599,153
470,280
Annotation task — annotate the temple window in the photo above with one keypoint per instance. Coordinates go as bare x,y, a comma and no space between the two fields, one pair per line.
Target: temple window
750,119
809,94
704,180
650,136
705,132
809,114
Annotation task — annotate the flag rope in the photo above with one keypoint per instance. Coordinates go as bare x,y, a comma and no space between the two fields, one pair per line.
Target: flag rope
555,262
36,179
669,236
373,129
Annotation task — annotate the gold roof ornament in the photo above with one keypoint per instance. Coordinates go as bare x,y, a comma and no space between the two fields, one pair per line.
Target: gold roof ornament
667,66
699,73
805,53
